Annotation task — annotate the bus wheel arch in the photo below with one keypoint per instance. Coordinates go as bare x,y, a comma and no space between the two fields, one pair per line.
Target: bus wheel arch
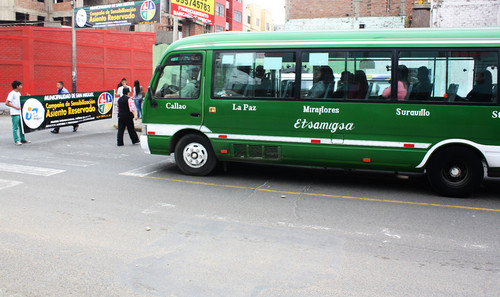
455,170
194,154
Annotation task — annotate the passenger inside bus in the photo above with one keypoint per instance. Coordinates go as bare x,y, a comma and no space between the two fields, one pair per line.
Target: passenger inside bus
262,82
483,89
359,87
344,84
239,81
422,89
402,84
323,83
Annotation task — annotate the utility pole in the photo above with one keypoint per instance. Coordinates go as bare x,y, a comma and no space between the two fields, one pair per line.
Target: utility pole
73,44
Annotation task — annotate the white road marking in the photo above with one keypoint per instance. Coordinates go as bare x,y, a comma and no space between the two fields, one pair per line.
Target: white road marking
40,171
157,208
147,170
4,184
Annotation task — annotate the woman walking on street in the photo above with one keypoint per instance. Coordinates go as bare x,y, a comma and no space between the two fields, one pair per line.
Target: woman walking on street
137,95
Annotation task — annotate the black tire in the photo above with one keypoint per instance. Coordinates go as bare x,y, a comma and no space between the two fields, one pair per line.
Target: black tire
455,172
194,155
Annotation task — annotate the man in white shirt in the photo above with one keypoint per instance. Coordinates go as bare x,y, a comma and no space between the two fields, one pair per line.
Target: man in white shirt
14,102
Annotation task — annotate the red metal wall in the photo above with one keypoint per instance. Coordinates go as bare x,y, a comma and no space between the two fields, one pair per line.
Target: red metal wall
40,57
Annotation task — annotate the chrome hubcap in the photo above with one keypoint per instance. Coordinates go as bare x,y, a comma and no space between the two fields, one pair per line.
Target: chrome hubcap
195,155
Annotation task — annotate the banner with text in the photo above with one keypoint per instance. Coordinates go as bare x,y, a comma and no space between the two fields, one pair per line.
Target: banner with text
118,14
202,10
48,111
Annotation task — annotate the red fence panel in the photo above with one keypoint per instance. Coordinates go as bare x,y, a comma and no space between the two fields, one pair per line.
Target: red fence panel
40,57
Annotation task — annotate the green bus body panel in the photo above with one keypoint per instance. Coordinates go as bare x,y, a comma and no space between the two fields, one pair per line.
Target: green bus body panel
401,38
366,135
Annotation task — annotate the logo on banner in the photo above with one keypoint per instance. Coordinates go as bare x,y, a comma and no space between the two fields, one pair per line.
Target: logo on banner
148,10
81,18
104,103
33,113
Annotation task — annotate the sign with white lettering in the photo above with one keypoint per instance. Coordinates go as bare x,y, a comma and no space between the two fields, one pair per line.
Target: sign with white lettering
118,14
41,112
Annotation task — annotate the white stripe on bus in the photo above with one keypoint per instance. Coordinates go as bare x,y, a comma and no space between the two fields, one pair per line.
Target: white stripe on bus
344,43
170,130
348,142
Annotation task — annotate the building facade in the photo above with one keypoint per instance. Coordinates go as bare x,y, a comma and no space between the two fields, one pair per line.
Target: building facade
55,13
465,14
257,19
347,14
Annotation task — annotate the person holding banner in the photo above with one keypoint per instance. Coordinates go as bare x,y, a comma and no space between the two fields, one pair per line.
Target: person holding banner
122,85
14,102
62,90
126,116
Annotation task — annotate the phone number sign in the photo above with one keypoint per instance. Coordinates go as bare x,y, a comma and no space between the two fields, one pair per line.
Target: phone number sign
202,10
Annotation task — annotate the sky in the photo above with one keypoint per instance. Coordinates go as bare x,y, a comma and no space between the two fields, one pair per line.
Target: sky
275,6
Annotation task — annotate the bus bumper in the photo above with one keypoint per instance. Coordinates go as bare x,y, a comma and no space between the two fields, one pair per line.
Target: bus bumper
144,144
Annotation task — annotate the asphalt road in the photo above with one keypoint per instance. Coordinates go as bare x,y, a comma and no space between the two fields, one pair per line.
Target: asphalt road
82,217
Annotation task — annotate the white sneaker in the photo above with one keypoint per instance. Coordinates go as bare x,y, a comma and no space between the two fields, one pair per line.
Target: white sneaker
18,143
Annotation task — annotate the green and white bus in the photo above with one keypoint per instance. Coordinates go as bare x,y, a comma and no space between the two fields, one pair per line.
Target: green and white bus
416,101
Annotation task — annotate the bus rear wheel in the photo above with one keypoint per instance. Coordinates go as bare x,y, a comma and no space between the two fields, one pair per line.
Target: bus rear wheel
455,172
194,155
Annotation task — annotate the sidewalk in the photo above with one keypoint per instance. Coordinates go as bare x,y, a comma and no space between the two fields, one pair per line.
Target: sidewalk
4,110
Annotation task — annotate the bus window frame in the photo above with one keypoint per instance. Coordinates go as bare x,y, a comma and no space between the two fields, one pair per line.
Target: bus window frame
449,50
166,62
395,59
213,73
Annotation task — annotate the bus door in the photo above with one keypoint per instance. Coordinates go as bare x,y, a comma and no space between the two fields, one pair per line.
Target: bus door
177,96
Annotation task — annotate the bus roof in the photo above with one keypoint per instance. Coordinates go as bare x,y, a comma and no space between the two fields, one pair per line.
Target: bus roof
343,39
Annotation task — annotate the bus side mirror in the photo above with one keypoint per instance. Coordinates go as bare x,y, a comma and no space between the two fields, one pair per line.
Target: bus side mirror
149,96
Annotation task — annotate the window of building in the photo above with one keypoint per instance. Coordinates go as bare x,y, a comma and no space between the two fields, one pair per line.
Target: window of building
23,17
40,19
220,10
237,16
249,20
219,29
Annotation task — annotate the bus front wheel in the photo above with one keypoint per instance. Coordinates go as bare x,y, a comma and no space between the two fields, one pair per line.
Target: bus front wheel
455,172
194,155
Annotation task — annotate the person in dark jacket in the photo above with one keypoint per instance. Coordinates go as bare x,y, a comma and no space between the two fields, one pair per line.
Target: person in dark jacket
483,89
126,116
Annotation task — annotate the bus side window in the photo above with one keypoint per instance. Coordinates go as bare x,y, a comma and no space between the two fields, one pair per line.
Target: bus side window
254,74
426,69
342,75
476,72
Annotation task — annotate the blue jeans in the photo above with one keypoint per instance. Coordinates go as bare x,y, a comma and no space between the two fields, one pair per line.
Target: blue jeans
17,132
138,107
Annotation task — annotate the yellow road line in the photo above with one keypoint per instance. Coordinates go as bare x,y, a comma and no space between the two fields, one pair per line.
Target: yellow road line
323,195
